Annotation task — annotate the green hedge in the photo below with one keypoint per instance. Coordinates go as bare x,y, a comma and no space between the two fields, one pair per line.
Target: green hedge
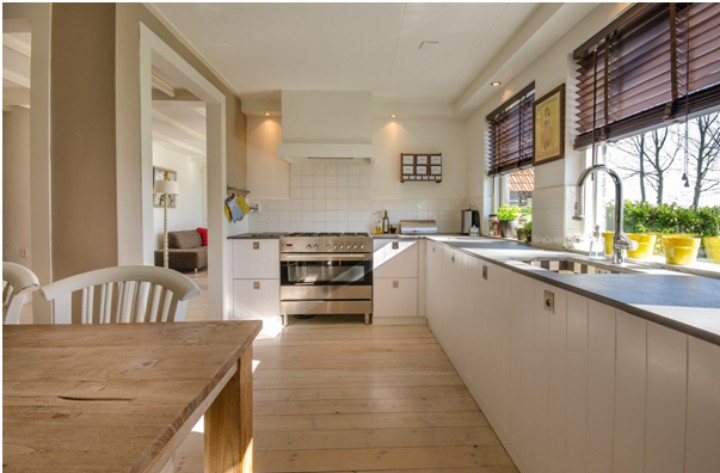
667,218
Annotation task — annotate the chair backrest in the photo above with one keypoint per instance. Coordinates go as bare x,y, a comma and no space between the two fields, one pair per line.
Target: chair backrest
18,282
121,294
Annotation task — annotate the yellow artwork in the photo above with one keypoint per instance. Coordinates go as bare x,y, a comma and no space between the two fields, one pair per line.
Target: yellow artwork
549,126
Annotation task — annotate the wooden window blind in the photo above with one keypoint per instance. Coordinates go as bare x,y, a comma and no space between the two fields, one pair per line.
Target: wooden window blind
511,133
652,65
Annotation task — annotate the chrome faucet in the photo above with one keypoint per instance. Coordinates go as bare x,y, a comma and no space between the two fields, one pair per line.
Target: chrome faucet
620,240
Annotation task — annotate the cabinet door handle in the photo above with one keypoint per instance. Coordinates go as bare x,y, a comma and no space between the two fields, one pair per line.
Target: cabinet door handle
452,258
256,284
396,245
256,245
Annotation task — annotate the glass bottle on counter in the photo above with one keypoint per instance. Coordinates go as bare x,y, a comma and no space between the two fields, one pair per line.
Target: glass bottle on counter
385,223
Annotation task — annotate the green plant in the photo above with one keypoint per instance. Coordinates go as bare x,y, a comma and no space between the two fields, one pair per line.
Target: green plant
642,217
508,213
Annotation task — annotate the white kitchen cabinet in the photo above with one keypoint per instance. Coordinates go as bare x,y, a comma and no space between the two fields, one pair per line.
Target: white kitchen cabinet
601,387
666,400
256,298
256,278
703,407
582,388
576,387
520,313
256,259
556,376
395,297
395,281
630,390
433,283
395,258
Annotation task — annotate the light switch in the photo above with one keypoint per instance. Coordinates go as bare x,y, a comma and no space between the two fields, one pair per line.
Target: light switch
256,284
396,284
256,245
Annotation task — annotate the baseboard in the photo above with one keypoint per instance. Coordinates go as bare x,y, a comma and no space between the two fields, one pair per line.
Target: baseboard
399,321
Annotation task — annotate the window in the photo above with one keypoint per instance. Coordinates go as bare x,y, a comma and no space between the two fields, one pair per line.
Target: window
511,133
511,149
654,64
649,90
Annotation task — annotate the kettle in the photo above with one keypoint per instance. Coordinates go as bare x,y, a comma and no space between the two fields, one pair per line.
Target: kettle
470,218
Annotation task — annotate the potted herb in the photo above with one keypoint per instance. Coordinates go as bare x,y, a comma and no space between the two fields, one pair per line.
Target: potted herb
508,216
524,233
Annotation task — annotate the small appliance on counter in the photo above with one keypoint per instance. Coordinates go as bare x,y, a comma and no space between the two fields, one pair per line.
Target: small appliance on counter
418,227
470,219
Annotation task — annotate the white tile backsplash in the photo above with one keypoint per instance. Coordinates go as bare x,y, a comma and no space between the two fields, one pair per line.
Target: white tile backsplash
336,197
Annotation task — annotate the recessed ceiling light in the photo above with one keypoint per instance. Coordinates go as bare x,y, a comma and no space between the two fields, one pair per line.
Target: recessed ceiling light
267,114
496,83
393,115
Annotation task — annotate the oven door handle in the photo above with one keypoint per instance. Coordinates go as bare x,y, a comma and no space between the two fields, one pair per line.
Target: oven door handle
326,257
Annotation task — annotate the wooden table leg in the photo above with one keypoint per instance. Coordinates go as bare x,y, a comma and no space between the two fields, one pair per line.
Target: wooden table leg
228,424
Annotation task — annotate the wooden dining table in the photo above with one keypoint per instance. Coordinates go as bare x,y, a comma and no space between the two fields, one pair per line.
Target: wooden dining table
122,397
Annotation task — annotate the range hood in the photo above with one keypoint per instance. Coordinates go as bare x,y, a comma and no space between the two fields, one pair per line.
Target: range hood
326,126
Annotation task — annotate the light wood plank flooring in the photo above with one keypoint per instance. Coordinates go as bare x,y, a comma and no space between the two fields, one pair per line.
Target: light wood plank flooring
356,398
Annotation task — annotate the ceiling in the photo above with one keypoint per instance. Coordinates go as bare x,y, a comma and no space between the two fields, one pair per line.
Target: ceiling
260,49
419,59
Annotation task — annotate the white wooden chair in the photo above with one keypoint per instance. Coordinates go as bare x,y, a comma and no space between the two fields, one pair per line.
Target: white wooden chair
121,294
18,283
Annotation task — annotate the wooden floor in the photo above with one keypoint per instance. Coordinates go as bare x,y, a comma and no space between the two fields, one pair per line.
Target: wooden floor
356,398
346,397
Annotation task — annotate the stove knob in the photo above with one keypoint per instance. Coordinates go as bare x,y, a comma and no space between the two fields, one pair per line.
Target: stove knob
328,247
362,247
315,247
355,247
309,247
334,247
342,247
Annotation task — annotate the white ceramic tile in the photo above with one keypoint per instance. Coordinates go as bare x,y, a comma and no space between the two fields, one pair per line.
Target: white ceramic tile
307,169
308,193
342,192
319,170
342,169
342,181
319,181
331,181
331,169
319,204
295,170
330,192
320,192
354,181
354,169
307,204
331,204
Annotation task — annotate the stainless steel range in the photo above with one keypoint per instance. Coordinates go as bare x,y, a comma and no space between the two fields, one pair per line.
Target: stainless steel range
325,273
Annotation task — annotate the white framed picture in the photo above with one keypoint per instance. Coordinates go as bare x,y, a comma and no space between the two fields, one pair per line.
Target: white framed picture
422,160
436,159
408,159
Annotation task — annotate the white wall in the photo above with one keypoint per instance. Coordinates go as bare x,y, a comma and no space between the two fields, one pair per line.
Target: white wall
191,210
332,196
16,186
554,182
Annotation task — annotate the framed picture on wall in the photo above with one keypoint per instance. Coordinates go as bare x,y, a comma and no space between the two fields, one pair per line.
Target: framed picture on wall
161,174
549,119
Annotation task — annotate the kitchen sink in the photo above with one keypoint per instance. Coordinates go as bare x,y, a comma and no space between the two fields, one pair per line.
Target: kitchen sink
569,265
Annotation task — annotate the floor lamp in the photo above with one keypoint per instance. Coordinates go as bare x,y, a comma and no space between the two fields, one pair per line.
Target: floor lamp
166,188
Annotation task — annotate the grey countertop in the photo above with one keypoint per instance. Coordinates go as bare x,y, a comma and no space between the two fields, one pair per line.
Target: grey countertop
684,302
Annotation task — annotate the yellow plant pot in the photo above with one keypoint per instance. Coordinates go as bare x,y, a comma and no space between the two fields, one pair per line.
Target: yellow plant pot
681,250
646,245
712,248
609,244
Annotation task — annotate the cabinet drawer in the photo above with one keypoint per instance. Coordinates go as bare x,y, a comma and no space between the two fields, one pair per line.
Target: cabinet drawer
395,258
259,259
256,298
395,297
